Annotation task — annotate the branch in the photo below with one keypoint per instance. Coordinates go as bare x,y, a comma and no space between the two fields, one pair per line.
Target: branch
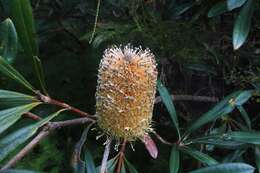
121,157
105,157
49,100
51,126
32,116
161,139
189,98
76,160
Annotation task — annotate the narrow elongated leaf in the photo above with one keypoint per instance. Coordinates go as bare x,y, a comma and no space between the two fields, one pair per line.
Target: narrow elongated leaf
130,167
243,24
203,158
245,137
218,9
232,157
227,168
8,40
15,98
179,10
9,71
174,160
22,16
257,157
15,139
230,138
21,12
40,74
48,118
9,116
167,100
223,107
232,4
201,68
17,171
89,162
76,162
218,141
123,170
242,97
12,141
245,116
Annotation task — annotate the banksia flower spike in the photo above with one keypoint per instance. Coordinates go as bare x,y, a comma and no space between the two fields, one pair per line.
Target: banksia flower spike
125,92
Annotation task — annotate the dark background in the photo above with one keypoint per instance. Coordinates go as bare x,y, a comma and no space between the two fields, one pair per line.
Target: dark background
194,54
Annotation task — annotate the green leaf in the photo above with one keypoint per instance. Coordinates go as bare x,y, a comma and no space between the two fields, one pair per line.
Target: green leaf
17,171
123,170
232,4
89,162
227,168
15,139
218,141
167,100
40,74
8,40
179,10
9,71
257,157
203,158
78,165
12,141
202,68
235,156
243,97
130,167
245,116
230,139
245,137
218,9
21,12
223,107
15,98
9,116
174,160
243,24
48,118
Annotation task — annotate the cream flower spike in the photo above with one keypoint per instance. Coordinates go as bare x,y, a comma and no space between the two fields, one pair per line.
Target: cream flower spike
125,92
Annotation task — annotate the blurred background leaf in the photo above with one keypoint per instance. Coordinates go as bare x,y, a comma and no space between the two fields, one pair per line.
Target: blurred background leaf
22,16
8,40
226,168
243,24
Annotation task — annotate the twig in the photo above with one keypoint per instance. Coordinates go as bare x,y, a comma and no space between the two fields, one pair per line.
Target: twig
189,98
105,157
78,147
77,121
47,99
44,133
32,116
121,157
161,139
95,23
